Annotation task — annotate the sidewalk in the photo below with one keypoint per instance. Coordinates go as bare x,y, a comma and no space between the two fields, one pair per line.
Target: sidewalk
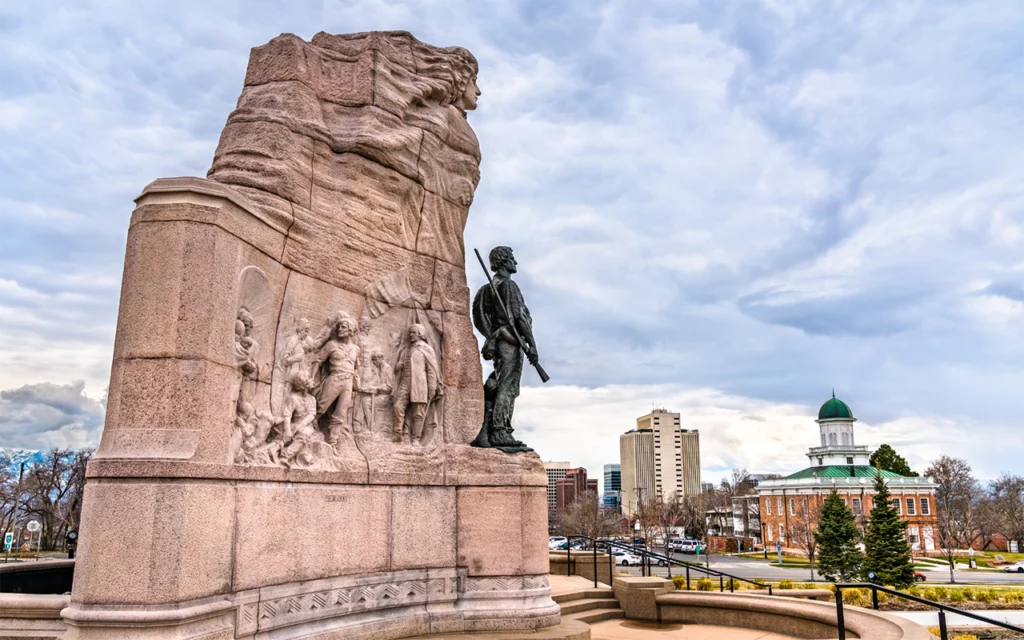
931,618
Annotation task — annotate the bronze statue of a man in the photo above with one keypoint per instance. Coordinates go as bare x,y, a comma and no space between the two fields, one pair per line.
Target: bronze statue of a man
501,316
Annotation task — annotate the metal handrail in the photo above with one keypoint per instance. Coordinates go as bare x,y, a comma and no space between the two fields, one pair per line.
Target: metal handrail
646,556
943,634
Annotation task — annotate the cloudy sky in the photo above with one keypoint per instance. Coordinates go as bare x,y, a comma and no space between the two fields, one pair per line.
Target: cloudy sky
723,208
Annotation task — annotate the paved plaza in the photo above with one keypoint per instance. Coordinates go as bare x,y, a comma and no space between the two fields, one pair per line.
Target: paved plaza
633,630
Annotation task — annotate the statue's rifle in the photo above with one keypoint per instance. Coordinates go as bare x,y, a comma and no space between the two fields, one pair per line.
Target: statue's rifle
544,377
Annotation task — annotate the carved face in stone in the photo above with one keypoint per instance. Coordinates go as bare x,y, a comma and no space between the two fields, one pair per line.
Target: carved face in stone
417,334
300,381
377,358
246,319
467,101
344,329
364,325
302,328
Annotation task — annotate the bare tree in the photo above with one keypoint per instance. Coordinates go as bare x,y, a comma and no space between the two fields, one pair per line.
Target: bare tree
694,513
8,489
585,517
52,493
1006,506
957,501
803,527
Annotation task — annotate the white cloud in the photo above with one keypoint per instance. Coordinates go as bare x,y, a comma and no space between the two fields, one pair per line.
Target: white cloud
755,200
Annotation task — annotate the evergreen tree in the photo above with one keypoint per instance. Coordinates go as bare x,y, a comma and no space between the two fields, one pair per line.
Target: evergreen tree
887,458
885,541
839,559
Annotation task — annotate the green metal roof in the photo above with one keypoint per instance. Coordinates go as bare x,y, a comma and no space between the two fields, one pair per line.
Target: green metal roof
841,471
834,408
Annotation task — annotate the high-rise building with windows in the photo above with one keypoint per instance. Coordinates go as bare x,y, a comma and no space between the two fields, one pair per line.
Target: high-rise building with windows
658,457
572,488
611,500
556,471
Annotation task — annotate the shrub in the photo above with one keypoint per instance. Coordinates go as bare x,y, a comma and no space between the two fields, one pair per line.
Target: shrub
932,594
705,584
985,595
785,584
1013,596
680,582
965,636
957,596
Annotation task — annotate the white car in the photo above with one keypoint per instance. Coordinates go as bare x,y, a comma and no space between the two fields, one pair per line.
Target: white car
557,542
1016,567
625,558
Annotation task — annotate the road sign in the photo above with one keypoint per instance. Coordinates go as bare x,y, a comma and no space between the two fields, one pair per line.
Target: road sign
778,545
8,540
33,526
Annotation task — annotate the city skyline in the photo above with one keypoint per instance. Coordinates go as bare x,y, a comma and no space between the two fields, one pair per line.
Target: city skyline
725,210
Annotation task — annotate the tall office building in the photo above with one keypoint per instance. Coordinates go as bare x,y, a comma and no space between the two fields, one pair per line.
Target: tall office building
658,457
571,488
689,460
612,498
556,471
636,455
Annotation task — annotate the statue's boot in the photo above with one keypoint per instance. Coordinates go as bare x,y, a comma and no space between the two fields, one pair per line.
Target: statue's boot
482,439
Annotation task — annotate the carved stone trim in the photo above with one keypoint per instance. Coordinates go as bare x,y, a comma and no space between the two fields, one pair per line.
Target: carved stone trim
505,586
288,605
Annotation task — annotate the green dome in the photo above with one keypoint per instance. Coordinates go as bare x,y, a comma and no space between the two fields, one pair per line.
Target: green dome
833,409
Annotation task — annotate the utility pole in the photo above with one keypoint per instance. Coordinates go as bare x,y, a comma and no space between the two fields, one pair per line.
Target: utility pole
17,506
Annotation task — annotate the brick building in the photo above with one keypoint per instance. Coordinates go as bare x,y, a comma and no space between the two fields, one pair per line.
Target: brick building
788,505
571,488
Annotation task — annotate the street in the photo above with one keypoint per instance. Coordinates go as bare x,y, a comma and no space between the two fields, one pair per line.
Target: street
750,568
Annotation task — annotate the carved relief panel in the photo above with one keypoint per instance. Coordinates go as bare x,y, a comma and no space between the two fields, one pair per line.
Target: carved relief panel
354,378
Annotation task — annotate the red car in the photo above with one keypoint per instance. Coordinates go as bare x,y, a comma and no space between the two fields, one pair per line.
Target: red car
919,577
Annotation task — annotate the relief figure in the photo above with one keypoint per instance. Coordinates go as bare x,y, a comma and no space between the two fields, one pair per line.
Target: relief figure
298,349
418,383
246,347
375,386
339,355
299,434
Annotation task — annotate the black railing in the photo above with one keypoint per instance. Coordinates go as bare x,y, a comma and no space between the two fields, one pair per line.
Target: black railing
646,555
943,634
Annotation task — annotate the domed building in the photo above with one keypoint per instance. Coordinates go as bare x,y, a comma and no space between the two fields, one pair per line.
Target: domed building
788,505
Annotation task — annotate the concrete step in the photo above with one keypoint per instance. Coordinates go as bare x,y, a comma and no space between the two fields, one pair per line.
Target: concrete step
566,630
585,604
569,596
595,615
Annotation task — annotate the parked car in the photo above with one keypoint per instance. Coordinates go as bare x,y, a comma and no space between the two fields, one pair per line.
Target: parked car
625,558
691,546
919,577
557,542
1017,567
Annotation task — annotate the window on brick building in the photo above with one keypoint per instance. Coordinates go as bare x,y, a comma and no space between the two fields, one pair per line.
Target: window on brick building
925,507
792,507
911,507
768,506
782,532
771,531
856,507
897,506
778,503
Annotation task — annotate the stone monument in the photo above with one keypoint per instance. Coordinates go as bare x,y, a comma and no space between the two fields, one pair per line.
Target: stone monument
296,383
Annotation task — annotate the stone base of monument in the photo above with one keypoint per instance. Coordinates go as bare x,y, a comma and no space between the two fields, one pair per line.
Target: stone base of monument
296,381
